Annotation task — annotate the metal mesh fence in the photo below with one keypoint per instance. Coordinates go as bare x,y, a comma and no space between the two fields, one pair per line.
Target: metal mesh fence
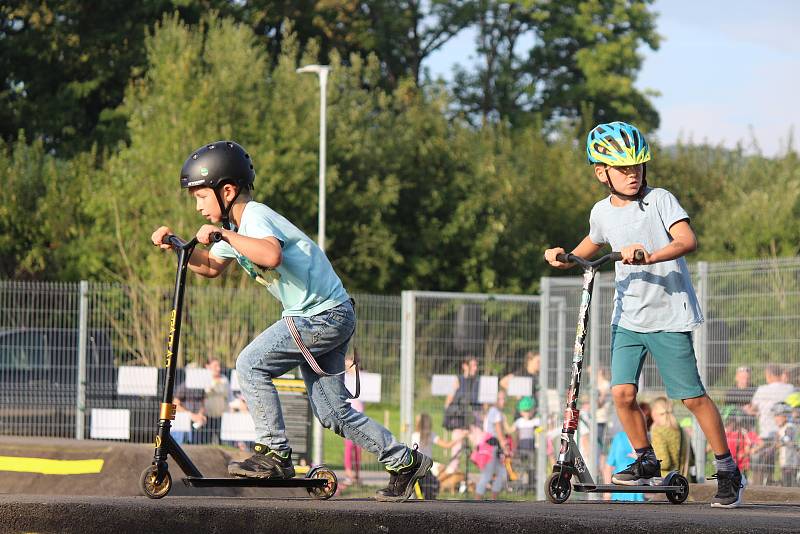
751,311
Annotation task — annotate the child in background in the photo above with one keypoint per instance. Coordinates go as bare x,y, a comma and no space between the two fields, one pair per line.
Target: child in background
425,439
424,436
741,440
666,435
494,428
525,429
788,454
620,454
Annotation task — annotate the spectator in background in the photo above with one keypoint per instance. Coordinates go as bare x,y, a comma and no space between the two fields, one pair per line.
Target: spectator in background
462,411
620,454
493,445
666,436
215,402
741,439
525,428
205,406
764,399
768,395
530,369
785,443
425,439
742,392
190,400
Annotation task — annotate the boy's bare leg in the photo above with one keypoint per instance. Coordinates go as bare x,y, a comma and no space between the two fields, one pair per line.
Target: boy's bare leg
707,415
630,415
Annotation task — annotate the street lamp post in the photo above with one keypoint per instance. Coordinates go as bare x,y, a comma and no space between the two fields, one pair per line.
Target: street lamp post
322,72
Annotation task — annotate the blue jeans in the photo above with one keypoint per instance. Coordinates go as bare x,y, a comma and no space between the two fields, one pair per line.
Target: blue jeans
274,352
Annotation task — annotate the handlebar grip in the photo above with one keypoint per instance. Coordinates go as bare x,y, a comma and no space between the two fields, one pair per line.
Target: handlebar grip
216,237
563,257
616,256
174,240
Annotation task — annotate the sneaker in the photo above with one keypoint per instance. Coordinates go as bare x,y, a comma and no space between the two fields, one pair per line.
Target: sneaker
402,481
730,489
644,471
265,463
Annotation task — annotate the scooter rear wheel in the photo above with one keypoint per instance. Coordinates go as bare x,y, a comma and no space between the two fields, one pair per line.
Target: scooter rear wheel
558,488
678,497
148,483
327,491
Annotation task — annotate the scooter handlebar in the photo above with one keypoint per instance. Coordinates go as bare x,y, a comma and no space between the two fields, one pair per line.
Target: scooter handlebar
611,257
177,242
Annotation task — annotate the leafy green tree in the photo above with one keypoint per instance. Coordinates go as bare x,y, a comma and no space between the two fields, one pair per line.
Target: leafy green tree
42,223
559,59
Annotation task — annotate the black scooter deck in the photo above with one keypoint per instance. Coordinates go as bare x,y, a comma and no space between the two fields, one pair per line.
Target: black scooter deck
203,482
614,488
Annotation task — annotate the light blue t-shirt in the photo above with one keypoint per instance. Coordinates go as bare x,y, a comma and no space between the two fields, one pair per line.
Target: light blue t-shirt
647,298
305,281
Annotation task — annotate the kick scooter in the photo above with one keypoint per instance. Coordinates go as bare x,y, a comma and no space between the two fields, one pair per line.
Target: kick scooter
155,481
570,462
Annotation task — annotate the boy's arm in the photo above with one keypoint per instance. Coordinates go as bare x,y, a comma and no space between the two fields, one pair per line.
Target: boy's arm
586,249
264,252
206,264
683,242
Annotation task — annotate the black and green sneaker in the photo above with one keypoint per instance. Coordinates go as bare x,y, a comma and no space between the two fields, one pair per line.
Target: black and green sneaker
265,463
644,471
401,481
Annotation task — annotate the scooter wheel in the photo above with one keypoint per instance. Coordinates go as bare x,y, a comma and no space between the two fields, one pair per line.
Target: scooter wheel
558,488
329,489
677,497
148,483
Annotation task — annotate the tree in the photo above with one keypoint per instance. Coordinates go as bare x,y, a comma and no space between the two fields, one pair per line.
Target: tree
559,59
589,54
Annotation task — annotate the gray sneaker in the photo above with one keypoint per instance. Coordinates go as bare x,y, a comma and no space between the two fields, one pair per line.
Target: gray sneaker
644,471
402,481
730,489
265,463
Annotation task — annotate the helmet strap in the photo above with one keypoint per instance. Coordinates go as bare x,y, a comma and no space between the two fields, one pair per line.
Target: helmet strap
639,196
226,210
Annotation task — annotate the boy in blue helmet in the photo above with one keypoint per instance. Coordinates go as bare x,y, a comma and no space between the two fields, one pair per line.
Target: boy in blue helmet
318,319
655,306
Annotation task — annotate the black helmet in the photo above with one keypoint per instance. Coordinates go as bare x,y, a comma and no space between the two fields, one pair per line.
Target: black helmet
218,163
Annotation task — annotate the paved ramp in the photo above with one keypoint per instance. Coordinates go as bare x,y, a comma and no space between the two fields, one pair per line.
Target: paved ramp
219,515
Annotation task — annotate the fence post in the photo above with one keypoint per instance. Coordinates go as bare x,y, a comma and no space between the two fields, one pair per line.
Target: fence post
544,372
83,329
407,343
561,348
594,367
700,350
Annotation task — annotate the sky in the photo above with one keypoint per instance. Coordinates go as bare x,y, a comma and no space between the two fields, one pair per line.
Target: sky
728,72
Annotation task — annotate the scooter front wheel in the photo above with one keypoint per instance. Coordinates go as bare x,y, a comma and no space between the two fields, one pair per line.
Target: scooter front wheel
327,491
148,483
558,488
677,497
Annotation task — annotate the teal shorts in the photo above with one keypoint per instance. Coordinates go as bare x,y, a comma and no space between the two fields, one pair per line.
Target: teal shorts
672,351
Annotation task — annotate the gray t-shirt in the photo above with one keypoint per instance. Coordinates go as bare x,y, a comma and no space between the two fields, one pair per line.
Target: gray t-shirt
648,298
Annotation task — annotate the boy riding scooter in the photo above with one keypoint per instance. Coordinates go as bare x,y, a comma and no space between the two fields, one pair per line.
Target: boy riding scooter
655,307
317,324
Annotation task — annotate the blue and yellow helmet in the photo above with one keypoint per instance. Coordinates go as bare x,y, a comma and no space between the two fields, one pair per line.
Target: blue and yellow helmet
616,144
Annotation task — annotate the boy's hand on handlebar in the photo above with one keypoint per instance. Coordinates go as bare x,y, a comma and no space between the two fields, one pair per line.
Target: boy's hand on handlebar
158,237
204,234
629,255
550,256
